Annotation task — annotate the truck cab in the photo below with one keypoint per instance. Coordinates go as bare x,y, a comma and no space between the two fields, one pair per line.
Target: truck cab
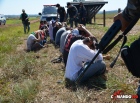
49,12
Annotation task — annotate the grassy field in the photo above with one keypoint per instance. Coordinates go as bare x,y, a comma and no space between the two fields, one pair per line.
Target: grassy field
17,21
32,78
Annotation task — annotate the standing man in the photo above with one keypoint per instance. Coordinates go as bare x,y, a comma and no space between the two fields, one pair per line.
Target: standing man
61,12
25,21
73,13
82,14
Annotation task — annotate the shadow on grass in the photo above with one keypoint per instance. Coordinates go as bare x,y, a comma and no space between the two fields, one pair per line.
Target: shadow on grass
96,83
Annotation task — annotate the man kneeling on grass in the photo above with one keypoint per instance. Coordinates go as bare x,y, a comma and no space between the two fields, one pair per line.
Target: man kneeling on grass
35,40
80,54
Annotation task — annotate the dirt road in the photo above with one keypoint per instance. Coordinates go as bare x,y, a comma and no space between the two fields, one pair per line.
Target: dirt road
8,25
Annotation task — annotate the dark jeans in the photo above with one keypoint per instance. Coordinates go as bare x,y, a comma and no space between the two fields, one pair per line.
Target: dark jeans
73,20
36,46
26,26
95,69
82,21
61,19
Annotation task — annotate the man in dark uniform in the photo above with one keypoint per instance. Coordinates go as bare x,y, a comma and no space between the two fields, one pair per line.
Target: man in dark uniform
25,21
82,14
61,11
73,14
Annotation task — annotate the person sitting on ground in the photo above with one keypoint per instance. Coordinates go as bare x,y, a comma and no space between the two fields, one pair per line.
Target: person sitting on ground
63,38
58,25
41,24
59,33
51,26
76,34
44,26
34,41
43,36
83,51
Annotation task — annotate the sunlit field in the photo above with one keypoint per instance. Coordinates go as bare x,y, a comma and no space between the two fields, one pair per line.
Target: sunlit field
33,78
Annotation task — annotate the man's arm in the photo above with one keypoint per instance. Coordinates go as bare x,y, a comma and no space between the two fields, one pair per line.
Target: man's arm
76,11
83,28
132,9
38,39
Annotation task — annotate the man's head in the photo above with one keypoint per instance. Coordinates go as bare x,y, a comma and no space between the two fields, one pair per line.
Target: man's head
83,33
53,22
58,5
23,10
90,42
58,24
68,4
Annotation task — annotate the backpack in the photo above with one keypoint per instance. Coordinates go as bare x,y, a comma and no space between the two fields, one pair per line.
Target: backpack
131,57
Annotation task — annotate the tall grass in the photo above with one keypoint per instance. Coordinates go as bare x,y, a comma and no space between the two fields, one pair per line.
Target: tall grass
16,86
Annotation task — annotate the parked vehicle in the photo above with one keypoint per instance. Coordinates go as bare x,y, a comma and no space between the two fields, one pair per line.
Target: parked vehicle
49,12
2,19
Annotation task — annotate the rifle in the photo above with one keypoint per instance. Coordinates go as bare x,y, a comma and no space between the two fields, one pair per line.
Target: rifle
106,39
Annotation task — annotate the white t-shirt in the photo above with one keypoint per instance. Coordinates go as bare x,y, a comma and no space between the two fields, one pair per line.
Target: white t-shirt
78,54
30,41
51,30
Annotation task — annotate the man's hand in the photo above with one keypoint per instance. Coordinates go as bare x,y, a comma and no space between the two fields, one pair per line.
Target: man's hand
81,27
123,21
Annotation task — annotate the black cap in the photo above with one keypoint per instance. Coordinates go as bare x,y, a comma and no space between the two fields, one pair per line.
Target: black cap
68,4
57,5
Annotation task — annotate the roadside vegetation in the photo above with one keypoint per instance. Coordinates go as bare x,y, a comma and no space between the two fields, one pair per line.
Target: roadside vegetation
32,78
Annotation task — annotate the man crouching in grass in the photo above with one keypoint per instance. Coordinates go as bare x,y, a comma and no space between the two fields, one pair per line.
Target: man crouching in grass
35,39
80,54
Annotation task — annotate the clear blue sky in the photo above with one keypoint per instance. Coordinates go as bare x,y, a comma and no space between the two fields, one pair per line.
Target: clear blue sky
10,7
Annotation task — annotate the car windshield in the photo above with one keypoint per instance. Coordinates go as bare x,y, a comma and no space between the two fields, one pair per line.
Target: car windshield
49,10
